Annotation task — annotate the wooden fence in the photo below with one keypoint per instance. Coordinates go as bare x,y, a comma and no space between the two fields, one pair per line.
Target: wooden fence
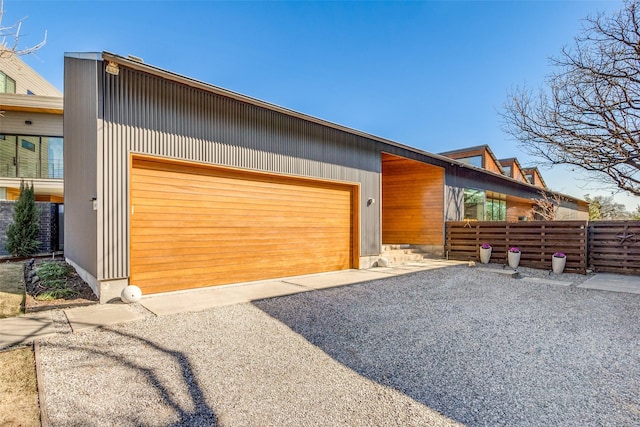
614,246
537,240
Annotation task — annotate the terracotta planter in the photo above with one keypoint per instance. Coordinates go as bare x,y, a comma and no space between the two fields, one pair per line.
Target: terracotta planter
485,255
558,264
514,259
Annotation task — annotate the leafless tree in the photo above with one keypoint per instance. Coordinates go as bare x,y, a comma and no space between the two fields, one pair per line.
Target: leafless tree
10,35
589,115
546,207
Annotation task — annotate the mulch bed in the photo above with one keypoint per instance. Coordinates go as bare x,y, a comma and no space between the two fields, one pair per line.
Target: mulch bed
82,294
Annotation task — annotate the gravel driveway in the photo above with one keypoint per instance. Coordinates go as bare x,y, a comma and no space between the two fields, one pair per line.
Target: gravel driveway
439,347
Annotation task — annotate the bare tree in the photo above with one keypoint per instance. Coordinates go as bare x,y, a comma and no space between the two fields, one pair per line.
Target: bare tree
589,116
546,207
10,35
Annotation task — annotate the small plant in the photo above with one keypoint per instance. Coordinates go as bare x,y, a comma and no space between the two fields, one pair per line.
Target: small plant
53,281
485,246
559,255
53,271
515,250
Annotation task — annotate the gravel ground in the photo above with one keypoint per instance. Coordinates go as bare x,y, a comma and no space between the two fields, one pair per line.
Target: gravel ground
439,347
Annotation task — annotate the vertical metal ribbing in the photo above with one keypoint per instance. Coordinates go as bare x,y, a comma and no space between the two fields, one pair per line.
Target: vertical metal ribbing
163,118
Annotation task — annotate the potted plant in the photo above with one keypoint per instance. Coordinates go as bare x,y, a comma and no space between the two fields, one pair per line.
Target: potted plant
485,253
558,262
514,256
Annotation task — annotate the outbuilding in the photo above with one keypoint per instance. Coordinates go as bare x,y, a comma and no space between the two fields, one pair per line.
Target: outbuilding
172,184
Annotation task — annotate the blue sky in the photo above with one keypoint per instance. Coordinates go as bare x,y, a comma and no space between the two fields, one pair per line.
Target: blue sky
432,75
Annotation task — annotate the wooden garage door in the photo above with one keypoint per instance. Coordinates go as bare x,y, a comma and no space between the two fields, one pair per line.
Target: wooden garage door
195,226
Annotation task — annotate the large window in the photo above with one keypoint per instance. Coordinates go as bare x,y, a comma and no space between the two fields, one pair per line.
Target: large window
482,206
7,84
473,204
496,208
25,156
473,161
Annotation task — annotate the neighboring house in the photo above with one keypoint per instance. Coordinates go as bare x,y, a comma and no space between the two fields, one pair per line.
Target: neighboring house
483,201
31,142
172,183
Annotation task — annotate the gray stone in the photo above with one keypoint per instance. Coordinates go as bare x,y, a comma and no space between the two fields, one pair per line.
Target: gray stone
35,279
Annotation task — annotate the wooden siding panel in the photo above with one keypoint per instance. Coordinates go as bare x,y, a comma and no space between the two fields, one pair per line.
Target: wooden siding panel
193,226
412,202
490,164
517,209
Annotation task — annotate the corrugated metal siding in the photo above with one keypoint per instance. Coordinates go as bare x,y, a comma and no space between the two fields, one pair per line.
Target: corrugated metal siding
41,124
145,114
80,234
453,203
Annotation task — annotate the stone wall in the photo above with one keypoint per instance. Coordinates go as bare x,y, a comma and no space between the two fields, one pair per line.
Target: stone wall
47,225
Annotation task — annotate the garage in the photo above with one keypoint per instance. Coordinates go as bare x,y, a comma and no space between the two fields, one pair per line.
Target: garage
195,225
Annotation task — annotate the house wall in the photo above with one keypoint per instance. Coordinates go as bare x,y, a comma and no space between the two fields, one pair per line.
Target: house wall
146,114
489,163
518,208
517,173
82,166
12,122
572,211
412,202
453,203
26,78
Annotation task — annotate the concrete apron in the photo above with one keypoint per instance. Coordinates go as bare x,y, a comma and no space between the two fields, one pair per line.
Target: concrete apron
25,329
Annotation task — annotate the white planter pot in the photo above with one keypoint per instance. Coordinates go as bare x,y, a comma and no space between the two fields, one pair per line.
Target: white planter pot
558,264
514,259
485,255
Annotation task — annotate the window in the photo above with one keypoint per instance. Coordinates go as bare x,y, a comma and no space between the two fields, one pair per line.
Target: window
507,170
496,210
29,92
473,204
24,156
7,84
55,162
28,145
482,206
473,161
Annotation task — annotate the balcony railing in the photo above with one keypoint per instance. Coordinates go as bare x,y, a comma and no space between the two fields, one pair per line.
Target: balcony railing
53,169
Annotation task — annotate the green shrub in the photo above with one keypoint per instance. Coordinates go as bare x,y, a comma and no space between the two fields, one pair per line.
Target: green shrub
22,234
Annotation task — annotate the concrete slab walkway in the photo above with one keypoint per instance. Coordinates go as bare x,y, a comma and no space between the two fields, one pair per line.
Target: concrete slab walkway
25,329
613,283
100,315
